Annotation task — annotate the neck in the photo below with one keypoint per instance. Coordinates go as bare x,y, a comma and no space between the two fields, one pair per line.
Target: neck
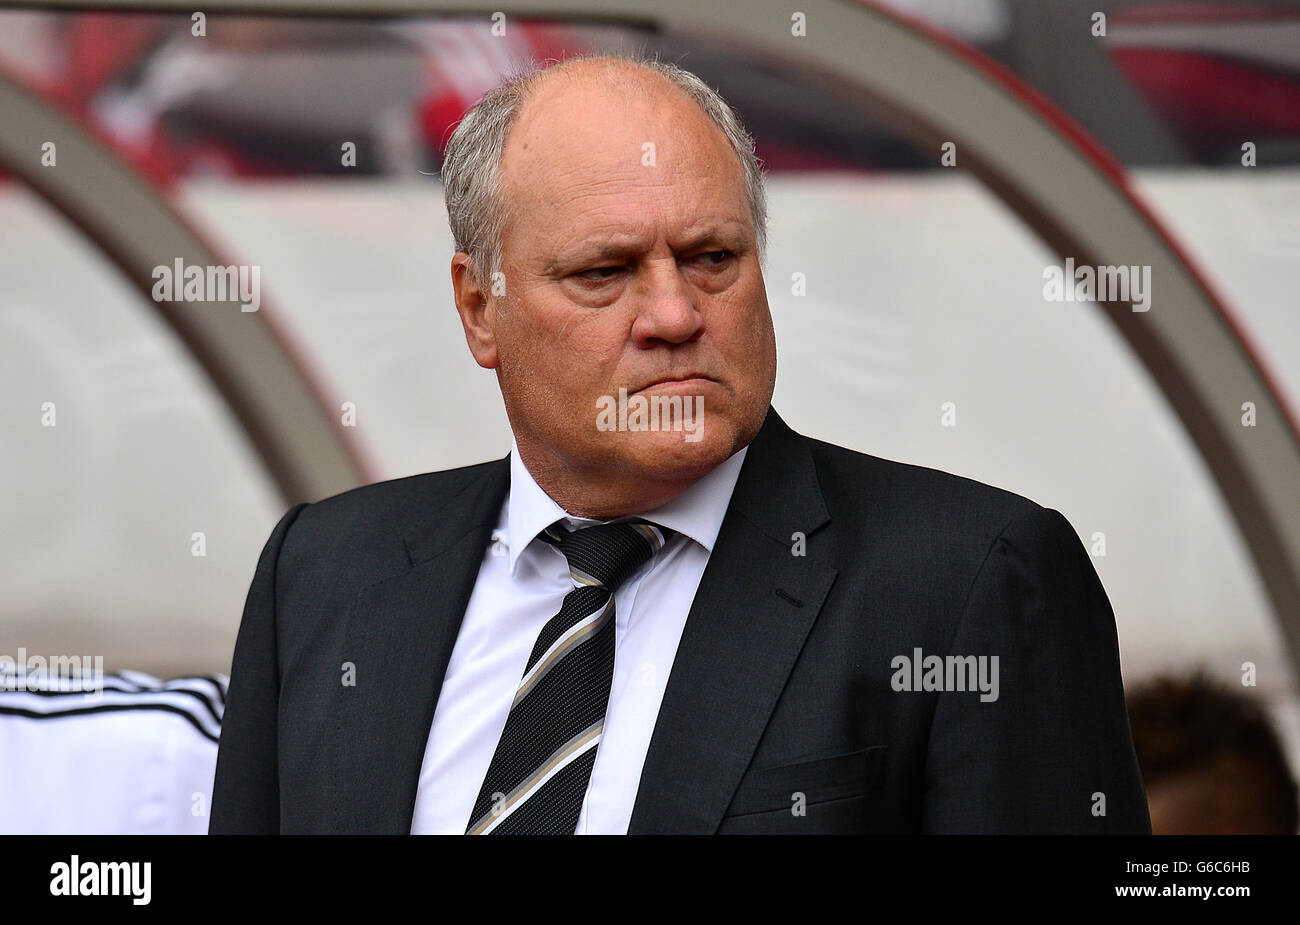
598,493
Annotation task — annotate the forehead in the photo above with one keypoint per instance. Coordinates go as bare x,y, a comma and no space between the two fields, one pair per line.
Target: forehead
619,153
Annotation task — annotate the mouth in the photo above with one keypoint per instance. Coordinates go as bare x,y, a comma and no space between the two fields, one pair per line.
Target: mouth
678,383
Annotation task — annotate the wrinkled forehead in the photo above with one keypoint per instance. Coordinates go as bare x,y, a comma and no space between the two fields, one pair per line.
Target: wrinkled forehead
602,144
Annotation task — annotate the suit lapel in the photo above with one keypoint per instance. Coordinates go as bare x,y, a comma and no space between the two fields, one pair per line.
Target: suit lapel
754,607
400,637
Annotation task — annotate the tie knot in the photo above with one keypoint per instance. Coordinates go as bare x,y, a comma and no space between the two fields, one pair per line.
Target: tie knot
606,555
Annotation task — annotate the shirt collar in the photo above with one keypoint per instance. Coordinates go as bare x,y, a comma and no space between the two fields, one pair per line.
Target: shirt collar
696,512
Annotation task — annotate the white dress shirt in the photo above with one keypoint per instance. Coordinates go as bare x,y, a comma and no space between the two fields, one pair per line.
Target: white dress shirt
521,584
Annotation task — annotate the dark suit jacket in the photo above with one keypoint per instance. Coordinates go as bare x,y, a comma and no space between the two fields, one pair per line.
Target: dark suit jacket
779,714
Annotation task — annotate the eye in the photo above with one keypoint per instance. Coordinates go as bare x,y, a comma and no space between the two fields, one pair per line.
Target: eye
598,274
715,258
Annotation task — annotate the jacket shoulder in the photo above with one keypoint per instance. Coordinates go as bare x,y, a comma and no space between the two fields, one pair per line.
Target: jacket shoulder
366,527
890,493
412,495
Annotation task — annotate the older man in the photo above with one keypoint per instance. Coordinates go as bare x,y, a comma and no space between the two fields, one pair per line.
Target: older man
663,611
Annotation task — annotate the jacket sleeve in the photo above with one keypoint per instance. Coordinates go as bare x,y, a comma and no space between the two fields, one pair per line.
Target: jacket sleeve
1053,753
245,791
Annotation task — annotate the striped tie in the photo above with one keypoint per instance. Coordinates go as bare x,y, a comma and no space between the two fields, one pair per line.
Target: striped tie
538,777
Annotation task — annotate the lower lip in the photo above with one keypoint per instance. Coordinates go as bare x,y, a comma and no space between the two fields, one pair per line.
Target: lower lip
678,385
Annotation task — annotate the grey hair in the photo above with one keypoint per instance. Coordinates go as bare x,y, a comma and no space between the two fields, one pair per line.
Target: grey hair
471,167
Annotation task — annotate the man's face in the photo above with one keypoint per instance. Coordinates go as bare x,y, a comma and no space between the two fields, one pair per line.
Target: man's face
629,258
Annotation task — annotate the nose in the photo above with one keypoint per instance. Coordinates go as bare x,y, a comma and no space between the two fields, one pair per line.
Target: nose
668,311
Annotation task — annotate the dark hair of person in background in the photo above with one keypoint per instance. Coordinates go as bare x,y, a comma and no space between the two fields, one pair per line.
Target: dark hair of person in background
1211,760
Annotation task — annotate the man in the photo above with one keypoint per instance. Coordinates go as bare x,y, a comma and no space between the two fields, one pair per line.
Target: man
712,626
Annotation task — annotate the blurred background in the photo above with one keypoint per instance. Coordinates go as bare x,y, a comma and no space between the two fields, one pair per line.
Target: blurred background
921,286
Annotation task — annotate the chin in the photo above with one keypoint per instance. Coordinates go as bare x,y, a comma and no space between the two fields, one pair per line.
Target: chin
677,454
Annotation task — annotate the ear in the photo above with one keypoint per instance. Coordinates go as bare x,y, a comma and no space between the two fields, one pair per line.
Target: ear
472,303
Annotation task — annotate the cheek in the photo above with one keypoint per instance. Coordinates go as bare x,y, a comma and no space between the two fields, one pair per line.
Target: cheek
572,351
752,332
